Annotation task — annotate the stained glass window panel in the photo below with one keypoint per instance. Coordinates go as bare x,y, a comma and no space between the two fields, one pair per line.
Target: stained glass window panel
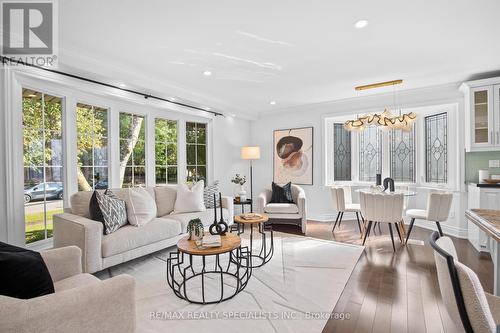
342,153
370,154
402,155
436,148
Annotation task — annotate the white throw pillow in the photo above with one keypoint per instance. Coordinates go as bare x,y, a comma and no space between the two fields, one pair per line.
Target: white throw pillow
190,199
141,206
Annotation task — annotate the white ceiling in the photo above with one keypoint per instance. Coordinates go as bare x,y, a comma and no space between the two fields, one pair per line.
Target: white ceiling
293,52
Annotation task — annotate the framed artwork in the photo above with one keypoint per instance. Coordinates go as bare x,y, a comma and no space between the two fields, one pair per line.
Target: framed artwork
293,156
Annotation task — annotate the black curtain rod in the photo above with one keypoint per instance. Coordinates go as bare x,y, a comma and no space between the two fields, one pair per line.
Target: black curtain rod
6,60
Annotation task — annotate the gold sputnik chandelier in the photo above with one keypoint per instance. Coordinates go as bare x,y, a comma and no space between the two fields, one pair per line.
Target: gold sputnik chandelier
384,120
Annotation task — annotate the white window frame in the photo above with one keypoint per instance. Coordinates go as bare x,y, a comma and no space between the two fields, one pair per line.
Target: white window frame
420,167
177,145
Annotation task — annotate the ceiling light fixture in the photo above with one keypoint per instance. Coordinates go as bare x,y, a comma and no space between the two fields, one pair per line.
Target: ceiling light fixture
272,102
123,85
361,24
384,120
208,109
172,99
207,73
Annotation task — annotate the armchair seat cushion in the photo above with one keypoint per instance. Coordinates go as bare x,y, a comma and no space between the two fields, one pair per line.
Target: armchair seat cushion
75,281
281,208
417,214
352,207
131,237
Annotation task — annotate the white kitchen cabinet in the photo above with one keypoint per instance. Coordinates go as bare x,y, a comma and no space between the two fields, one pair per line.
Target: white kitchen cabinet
482,114
484,198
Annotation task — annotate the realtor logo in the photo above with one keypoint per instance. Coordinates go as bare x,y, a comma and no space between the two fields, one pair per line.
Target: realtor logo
29,29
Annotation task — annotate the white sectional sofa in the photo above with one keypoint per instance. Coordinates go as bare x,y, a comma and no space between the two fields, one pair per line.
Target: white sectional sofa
101,251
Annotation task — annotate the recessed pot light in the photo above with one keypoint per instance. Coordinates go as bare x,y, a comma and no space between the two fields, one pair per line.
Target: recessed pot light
122,85
361,24
172,99
272,102
207,73
208,109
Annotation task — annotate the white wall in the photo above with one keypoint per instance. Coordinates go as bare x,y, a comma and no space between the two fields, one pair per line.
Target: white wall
318,195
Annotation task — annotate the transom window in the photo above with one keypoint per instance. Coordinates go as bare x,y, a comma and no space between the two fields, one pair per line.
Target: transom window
132,150
196,151
165,151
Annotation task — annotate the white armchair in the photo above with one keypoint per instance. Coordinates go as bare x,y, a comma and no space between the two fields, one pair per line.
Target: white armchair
81,302
285,213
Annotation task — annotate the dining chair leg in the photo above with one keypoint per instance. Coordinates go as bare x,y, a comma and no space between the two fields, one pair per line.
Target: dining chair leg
439,228
402,227
379,230
359,224
367,231
399,232
392,237
409,230
341,216
336,220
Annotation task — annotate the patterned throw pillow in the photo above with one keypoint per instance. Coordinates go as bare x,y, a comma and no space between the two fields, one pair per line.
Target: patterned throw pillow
208,194
113,210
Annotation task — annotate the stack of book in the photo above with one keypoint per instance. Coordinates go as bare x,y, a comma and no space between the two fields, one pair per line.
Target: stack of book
251,216
209,241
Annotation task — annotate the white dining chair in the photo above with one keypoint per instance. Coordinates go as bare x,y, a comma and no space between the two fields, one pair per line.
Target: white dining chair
463,295
438,209
342,202
382,208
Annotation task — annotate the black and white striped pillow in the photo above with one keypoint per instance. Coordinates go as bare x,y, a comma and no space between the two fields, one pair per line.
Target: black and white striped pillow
208,194
114,211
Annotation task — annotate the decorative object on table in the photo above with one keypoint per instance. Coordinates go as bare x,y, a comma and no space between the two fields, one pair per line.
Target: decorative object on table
384,120
195,229
218,227
209,241
483,175
389,183
240,181
378,178
250,153
208,192
491,181
237,200
293,156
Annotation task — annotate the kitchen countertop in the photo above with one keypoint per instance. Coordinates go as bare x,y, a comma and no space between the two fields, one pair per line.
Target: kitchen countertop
486,219
485,185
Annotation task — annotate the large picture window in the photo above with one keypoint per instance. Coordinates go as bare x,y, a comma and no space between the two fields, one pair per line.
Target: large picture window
342,153
132,150
43,163
370,154
92,147
165,151
196,151
436,148
402,154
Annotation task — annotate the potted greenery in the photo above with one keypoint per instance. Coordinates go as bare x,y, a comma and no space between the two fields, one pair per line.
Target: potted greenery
195,229
240,181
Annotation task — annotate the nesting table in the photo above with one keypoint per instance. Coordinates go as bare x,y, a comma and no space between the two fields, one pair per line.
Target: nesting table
265,252
194,268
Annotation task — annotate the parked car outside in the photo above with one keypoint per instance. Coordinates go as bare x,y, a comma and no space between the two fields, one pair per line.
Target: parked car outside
49,190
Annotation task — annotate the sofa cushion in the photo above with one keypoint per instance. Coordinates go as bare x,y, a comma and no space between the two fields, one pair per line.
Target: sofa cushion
141,205
80,202
281,208
75,281
190,199
130,237
208,195
113,209
282,194
165,199
206,217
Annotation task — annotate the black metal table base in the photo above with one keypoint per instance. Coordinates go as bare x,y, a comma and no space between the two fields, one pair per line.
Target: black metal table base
233,274
266,251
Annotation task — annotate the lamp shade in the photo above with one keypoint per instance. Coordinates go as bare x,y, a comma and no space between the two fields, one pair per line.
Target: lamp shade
250,153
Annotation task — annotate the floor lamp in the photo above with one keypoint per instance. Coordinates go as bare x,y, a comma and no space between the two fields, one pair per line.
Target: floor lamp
250,153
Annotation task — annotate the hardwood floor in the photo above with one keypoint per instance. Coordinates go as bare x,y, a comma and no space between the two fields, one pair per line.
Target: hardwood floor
395,292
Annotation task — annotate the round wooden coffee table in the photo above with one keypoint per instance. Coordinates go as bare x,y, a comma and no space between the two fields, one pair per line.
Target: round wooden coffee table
191,267
265,253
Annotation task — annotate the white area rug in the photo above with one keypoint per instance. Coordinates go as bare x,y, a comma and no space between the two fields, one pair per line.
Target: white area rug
295,292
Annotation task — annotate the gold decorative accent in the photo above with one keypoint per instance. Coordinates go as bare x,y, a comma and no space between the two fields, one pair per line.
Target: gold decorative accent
379,84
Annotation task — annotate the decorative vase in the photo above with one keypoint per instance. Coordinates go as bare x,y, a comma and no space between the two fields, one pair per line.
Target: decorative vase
242,193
